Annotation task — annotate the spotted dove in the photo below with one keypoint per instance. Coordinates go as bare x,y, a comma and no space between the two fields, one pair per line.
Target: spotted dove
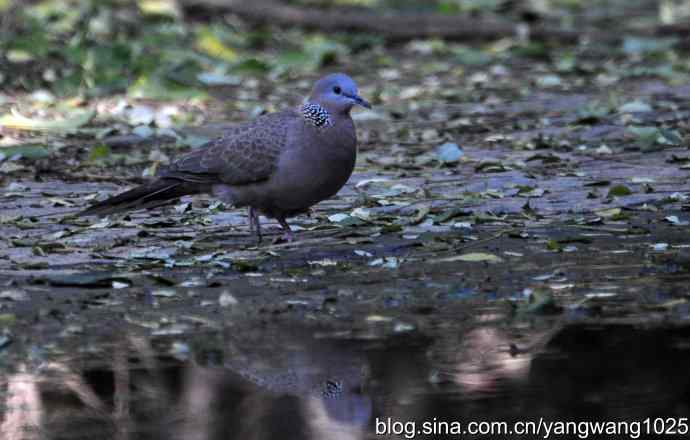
279,164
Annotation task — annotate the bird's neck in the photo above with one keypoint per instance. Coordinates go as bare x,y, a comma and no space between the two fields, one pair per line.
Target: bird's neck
316,115
319,115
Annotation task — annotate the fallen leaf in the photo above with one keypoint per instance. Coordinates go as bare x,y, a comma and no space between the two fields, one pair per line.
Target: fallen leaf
608,213
337,218
673,219
14,295
20,122
227,299
619,191
635,107
27,151
474,257
165,293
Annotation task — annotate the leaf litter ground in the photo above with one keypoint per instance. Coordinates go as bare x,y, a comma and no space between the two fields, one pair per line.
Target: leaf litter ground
521,194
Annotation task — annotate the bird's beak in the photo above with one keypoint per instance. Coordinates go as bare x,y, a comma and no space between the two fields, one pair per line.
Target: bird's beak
358,100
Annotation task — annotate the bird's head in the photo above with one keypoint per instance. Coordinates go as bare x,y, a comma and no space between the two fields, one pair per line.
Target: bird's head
337,93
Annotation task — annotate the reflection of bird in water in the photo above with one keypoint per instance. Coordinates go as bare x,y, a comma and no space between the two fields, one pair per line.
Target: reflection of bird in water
276,381
329,374
273,382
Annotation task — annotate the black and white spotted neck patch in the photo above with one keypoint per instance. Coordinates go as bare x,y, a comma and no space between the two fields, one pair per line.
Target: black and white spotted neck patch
316,115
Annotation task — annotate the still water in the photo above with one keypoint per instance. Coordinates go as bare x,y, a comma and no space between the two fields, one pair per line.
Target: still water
292,380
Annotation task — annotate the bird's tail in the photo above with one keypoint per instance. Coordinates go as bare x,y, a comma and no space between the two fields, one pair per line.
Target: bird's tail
145,196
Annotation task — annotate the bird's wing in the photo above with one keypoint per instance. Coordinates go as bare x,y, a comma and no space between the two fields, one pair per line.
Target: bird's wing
245,154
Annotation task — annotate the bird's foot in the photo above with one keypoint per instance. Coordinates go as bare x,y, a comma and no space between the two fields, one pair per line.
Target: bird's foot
287,237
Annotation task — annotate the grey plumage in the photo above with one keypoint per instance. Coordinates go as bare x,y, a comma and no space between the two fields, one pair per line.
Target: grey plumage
279,164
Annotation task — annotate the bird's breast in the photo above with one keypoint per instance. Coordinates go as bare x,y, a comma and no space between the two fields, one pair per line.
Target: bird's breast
314,170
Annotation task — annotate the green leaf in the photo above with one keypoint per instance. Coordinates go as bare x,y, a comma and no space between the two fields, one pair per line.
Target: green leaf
635,107
591,114
218,79
209,42
530,191
165,8
316,52
472,57
156,87
245,265
19,56
99,153
567,63
644,46
20,122
490,166
549,80
541,302
669,137
251,66
554,245
323,51
619,191
448,214
28,151
7,319
648,137
608,213
534,49
294,61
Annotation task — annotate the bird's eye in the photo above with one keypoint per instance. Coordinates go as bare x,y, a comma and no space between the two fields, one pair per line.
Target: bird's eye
337,90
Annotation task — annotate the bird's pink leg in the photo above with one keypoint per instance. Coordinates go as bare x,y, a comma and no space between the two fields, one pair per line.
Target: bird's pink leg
255,224
287,235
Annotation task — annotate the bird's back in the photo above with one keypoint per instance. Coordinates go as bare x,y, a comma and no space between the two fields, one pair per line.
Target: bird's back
313,165
244,154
